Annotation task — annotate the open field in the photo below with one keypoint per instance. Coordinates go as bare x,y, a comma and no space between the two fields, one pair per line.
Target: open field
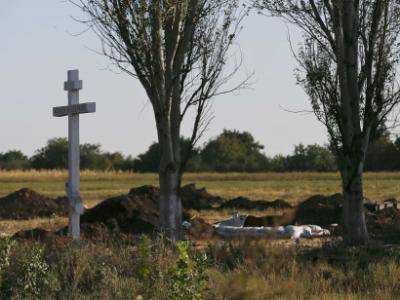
291,187
97,186
115,266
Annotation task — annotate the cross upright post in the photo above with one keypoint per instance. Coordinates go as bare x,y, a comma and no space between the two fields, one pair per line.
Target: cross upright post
76,208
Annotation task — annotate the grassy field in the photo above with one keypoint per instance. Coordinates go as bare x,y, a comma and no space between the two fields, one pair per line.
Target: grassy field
97,186
292,187
124,267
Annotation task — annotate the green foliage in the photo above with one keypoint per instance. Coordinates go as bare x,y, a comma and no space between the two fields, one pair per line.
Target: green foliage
187,275
150,160
234,151
14,160
55,156
182,276
128,268
6,245
231,151
28,275
383,154
311,158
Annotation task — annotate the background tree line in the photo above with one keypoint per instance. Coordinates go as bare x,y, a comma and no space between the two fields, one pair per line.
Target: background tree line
231,151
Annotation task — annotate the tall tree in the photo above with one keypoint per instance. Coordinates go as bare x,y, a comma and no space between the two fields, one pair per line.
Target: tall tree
348,65
234,151
178,50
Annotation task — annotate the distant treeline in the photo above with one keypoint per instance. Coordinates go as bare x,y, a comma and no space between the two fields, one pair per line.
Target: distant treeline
231,151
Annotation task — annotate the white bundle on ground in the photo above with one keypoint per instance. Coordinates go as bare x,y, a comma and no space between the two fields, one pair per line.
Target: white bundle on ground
291,231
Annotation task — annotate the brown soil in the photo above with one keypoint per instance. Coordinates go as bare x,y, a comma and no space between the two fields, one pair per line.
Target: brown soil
193,198
320,210
382,224
271,221
246,203
135,213
27,204
385,224
63,202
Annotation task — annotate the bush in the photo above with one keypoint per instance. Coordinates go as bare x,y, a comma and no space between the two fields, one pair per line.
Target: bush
234,151
28,274
14,160
131,268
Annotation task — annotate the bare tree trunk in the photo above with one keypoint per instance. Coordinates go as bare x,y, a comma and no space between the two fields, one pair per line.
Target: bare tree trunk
353,206
170,204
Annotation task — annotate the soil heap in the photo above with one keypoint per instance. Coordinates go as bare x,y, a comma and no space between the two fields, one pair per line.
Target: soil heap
28,204
271,221
246,203
320,210
193,198
135,213
384,224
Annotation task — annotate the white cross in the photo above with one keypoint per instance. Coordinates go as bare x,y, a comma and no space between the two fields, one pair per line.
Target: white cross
73,85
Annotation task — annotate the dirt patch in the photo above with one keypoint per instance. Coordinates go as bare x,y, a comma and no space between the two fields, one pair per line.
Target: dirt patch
320,210
193,198
383,220
271,221
247,204
384,224
28,204
137,212
134,213
63,202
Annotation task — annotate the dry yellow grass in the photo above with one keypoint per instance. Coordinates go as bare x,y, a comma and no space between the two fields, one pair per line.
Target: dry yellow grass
248,269
292,187
97,186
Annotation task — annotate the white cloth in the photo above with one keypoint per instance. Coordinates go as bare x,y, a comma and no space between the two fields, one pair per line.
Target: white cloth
293,232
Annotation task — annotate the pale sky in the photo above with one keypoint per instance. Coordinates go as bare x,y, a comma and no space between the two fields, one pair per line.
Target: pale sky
37,48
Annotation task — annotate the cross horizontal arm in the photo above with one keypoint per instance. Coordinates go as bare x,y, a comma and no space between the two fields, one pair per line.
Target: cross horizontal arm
83,108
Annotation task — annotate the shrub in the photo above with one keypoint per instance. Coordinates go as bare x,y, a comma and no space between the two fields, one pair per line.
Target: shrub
28,274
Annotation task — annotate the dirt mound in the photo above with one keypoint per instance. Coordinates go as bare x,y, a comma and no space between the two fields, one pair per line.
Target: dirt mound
193,198
320,210
63,202
27,204
384,224
135,213
270,221
280,204
246,203
138,213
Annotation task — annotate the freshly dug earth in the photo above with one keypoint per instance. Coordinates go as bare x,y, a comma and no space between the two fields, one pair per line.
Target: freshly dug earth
193,198
63,202
271,221
246,203
135,213
27,204
320,210
382,224
385,224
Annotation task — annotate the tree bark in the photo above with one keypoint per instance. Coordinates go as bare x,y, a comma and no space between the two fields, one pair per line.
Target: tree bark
353,206
170,204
